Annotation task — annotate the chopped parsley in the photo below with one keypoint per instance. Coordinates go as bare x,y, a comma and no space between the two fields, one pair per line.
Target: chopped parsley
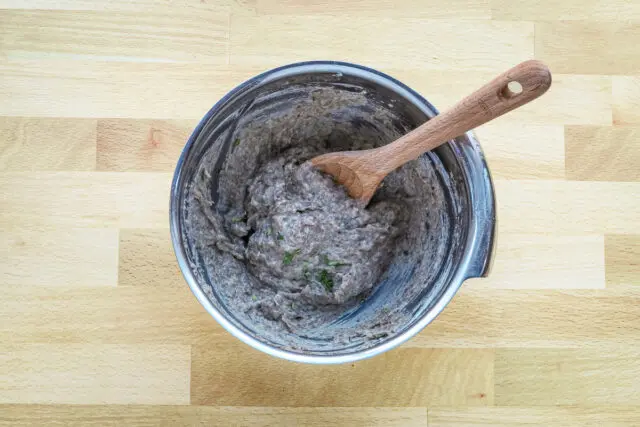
236,219
236,142
254,298
280,236
305,271
333,262
288,257
269,232
326,279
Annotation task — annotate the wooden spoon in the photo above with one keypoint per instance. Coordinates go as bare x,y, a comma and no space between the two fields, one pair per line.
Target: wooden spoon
361,171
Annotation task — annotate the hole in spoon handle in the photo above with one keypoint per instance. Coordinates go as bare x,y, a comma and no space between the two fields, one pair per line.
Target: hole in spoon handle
512,89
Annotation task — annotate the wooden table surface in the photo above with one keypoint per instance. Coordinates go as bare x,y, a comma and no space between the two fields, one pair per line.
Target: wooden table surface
97,326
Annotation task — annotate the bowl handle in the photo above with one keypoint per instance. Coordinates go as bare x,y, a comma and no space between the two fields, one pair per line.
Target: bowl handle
482,236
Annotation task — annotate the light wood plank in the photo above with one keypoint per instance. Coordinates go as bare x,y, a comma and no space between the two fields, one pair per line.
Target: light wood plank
32,144
147,259
626,100
139,415
78,199
523,151
95,374
429,9
185,35
404,377
568,207
166,6
100,315
546,261
566,377
141,145
480,317
43,87
548,416
572,47
598,153
566,10
622,260
187,91
572,99
478,45
69,257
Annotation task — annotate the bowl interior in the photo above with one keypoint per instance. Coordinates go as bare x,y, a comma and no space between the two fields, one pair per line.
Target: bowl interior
349,107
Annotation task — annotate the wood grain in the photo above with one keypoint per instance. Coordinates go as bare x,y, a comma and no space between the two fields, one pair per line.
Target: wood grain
457,9
626,100
622,255
33,144
599,153
95,374
147,259
104,315
97,326
566,377
570,47
165,6
61,257
273,40
141,145
551,416
101,88
568,207
187,416
566,10
86,199
541,261
430,377
152,36
536,152
526,319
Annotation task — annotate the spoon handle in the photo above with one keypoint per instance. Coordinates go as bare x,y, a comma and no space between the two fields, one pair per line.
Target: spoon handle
511,89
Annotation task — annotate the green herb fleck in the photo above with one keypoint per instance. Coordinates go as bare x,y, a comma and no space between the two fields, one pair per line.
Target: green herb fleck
236,142
254,298
386,310
269,232
326,280
288,257
236,219
305,271
280,236
333,262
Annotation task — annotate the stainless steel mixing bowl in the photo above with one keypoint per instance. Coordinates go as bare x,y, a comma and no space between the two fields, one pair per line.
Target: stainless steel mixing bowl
461,164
